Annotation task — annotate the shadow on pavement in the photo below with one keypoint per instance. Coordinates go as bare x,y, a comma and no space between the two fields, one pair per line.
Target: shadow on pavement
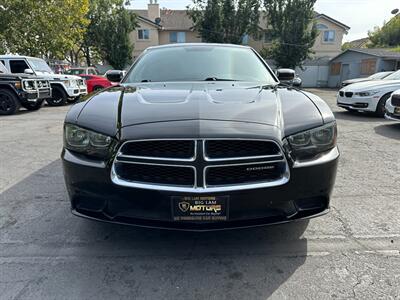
390,130
356,116
52,254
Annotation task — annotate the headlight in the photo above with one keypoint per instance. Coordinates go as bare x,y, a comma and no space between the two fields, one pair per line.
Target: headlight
73,83
366,93
29,85
86,141
311,143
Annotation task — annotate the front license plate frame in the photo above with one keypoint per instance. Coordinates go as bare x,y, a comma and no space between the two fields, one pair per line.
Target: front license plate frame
200,208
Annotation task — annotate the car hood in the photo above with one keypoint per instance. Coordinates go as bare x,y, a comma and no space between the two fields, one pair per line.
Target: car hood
128,106
371,85
356,80
57,77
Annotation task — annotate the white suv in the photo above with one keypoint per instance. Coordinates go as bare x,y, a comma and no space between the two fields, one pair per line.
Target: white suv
370,96
65,87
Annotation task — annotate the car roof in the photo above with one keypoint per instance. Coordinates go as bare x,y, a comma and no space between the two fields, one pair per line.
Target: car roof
10,56
186,45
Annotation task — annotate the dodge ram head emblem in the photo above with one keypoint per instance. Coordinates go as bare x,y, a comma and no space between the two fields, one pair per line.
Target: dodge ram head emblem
184,206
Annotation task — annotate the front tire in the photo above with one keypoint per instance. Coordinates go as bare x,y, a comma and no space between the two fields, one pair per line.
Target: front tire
33,105
9,103
59,97
380,108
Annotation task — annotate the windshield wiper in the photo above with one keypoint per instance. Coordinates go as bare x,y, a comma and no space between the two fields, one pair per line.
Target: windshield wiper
218,79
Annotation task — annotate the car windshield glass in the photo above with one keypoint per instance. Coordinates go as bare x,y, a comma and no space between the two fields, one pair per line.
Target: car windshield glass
379,75
3,68
75,71
394,76
39,65
199,63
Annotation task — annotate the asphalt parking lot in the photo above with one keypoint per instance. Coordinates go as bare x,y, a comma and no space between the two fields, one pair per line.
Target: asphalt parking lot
46,253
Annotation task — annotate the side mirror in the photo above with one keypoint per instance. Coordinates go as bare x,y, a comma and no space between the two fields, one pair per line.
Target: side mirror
285,75
115,76
29,71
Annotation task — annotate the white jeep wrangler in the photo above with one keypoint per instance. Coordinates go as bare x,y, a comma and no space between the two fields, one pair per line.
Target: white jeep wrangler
65,87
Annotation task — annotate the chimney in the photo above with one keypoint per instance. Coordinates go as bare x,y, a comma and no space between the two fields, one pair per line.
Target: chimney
153,10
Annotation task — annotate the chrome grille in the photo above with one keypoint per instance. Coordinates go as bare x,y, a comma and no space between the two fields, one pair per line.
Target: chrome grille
200,166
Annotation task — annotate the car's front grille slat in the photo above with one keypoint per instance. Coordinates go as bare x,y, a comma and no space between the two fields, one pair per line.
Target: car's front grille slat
156,174
220,165
244,173
160,149
229,149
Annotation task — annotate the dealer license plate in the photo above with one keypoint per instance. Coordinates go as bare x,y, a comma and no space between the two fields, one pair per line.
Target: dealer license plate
200,208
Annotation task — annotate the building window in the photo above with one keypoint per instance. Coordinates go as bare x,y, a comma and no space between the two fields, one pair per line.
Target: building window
321,26
177,37
368,66
335,68
329,36
143,34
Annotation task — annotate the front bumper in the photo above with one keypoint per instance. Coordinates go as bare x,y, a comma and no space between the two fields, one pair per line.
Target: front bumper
33,96
392,112
95,196
74,92
368,104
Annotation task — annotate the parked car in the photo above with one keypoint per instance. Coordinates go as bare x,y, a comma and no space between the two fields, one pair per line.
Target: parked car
200,137
376,76
393,107
64,87
369,96
96,83
18,90
82,71
289,77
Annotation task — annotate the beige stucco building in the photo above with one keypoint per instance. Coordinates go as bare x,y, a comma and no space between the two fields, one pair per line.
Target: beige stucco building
160,27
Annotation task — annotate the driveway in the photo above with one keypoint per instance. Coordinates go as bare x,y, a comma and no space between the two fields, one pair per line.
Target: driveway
46,253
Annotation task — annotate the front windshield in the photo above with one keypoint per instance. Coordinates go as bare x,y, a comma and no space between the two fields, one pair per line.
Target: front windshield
75,72
379,75
199,63
394,76
39,65
3,68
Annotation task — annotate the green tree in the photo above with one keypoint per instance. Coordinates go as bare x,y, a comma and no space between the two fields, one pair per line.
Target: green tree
292,29
107,35
225,21
388,35
47,28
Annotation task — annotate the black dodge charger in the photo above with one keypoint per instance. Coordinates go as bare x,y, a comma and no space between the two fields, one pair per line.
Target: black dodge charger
200,137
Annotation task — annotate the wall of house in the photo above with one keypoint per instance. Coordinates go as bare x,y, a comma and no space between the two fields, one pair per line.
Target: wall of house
330,49
314,76
141,45
191,36
353,60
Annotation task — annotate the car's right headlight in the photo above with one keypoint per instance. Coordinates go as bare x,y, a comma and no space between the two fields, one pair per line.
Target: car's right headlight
87,142
366,93
310,144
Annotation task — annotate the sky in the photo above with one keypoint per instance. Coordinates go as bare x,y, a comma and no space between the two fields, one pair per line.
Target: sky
360,15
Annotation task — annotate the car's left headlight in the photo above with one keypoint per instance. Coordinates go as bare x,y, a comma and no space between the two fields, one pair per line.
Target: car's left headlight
366,93
310,144
87,142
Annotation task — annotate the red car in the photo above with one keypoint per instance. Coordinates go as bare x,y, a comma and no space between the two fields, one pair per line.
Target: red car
96,83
